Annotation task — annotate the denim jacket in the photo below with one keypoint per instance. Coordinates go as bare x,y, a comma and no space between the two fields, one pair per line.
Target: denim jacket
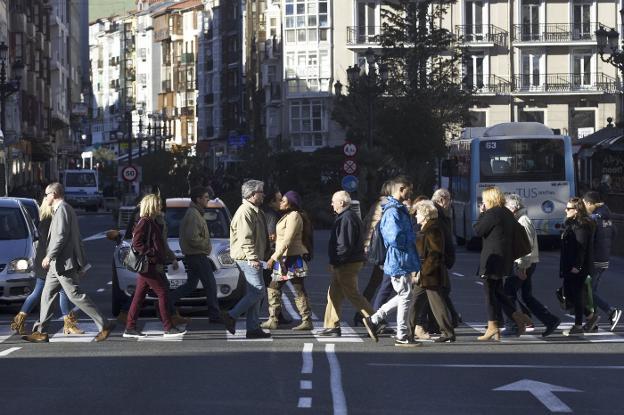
399,239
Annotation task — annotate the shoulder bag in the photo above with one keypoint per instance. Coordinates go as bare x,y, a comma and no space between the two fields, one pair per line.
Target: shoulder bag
135,261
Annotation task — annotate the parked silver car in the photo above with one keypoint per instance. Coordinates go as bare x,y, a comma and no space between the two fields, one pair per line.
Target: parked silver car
229,279
17,251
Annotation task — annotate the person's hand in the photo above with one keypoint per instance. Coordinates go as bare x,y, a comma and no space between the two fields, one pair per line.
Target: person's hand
270,263
45,263
482,207
175,265
575,270
521,273
255,264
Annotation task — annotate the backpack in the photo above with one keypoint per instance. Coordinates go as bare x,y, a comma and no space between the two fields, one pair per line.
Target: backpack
520,244
377,248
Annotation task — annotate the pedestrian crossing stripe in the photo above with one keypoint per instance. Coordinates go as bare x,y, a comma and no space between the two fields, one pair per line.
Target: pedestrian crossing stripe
239,335
155,332
5,333
348,335
91,330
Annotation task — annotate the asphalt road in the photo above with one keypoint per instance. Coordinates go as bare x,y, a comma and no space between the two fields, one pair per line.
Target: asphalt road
211,372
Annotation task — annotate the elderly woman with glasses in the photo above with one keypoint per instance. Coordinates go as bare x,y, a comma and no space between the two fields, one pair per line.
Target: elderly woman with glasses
576,258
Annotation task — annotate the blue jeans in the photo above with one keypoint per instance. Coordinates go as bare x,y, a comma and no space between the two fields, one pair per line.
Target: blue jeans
254,294
598,301
198,267
35,297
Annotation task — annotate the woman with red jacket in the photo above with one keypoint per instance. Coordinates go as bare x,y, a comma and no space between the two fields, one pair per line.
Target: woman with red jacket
147,240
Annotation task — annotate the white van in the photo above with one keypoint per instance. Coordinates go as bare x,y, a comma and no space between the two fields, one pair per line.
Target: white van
81,189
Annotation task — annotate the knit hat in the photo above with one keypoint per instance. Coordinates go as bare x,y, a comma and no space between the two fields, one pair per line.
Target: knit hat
293,198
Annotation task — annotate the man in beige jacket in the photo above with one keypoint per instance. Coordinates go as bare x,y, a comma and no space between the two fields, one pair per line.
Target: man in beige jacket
196,247
249,247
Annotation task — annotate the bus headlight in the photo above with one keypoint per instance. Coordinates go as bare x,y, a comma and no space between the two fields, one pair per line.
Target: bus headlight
225,259
20,265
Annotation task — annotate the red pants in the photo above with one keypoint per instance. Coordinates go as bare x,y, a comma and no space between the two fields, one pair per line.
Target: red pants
157,283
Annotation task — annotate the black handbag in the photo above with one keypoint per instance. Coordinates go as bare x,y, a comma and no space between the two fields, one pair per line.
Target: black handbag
135,261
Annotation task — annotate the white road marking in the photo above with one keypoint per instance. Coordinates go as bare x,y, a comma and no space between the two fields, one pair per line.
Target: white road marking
91,330
335,377
479,282
294,293
109,283
305,384
495,366
543,392
101,290
155,331
308,363
304,402
9,351
239,335
457,274
5,332
101,235
349,335
289,307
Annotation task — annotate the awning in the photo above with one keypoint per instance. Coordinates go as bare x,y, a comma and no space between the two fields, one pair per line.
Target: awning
608,138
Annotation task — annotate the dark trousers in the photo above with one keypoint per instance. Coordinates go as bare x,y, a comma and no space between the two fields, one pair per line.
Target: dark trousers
435,298
514,283
598,301
385,292
156,282
373,283
573,290
496,300
198,268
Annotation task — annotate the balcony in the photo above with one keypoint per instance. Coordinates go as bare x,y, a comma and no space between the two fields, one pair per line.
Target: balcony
555,33
490,85
187,59
564,83
166,86
483,35
363,35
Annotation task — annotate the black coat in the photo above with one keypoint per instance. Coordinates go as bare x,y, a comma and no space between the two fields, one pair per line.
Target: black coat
449,248
346,242
577,247
495,226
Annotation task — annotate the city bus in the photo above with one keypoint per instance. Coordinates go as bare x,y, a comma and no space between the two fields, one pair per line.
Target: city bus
526,158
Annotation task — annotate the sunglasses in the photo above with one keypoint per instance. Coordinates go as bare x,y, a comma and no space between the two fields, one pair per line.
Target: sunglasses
570,208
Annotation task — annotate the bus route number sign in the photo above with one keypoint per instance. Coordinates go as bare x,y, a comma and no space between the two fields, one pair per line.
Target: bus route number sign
490,145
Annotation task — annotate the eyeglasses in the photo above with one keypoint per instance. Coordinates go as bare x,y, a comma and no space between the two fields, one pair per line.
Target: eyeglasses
570,208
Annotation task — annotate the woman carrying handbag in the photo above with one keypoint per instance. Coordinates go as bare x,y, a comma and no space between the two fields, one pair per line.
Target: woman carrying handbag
147,241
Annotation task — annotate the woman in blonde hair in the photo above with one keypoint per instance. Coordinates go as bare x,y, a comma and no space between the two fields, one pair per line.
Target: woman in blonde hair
69,318
495,225
147,240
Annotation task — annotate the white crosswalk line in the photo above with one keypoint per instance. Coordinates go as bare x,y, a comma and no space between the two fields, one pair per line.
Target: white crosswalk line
155,331
293,292
287,305
9,351
239,335
91,330
349,335
5,333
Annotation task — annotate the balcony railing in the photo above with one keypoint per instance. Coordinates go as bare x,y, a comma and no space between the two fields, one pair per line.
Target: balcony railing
565,82
490,84
481,34
187,59
555,32
166,86
363,35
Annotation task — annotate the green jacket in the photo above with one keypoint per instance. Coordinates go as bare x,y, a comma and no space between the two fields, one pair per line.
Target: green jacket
194,233
249,239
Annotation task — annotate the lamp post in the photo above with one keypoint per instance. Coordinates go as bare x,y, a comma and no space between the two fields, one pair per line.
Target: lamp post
140,135
607,41
6,90
149,137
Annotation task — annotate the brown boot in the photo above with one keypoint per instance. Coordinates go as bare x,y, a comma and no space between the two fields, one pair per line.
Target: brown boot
492,332
521,320
178,320
303,306
274,298
69,327
270,324
18,323
305,325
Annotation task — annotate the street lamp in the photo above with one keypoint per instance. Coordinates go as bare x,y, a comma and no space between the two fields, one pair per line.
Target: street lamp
6,90
140,135
607,41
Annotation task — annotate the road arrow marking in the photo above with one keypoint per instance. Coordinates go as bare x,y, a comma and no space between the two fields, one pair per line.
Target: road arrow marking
542,391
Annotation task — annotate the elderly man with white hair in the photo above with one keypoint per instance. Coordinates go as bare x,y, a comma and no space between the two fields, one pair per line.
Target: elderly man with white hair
523,271
346,258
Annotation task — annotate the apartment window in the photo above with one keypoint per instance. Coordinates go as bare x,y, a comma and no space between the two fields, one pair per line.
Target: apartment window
531,69
474,71
306,123
478,118
303,20
527,115
581,68
474,20
582,122
530,19
366,21
582,20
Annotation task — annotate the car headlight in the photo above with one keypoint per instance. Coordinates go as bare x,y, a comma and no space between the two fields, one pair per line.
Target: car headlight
122,254
225,259
20,265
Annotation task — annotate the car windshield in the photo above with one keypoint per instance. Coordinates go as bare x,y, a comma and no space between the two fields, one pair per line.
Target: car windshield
218,224
79,180
33,211
522,160
12,224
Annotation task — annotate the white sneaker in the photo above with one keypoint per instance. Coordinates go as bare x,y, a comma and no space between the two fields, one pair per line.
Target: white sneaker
614,318
174,332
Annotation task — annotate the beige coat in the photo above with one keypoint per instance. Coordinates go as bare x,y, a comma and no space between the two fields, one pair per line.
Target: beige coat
371,219
289,232
194,233
249,239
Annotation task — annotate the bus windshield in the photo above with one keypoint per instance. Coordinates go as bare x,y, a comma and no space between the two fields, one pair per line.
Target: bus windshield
522,160
79,179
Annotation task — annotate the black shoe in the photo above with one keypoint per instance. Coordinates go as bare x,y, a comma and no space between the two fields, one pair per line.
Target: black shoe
331,332
592,321
444,338
386,331
551,327
133,334
371,328
230,323
174,332
257,334
283,320
406,342
357,319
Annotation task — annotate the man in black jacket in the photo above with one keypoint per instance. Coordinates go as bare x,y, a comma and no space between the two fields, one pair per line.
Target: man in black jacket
346,257
603,238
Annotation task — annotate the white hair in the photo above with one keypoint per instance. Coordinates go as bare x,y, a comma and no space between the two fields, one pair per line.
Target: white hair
342,196
513,202
250,187
440,194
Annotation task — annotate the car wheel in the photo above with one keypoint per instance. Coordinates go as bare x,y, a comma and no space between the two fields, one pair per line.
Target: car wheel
118,297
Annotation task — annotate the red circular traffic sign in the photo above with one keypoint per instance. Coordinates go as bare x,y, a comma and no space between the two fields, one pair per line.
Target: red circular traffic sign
129,173
349,149
349,166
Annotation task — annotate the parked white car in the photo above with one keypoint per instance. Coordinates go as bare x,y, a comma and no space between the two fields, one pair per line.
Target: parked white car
229,279
17,252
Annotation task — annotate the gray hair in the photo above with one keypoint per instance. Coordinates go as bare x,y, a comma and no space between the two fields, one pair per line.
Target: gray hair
343,196
427,209
56,188
440,194
514,202
250,187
